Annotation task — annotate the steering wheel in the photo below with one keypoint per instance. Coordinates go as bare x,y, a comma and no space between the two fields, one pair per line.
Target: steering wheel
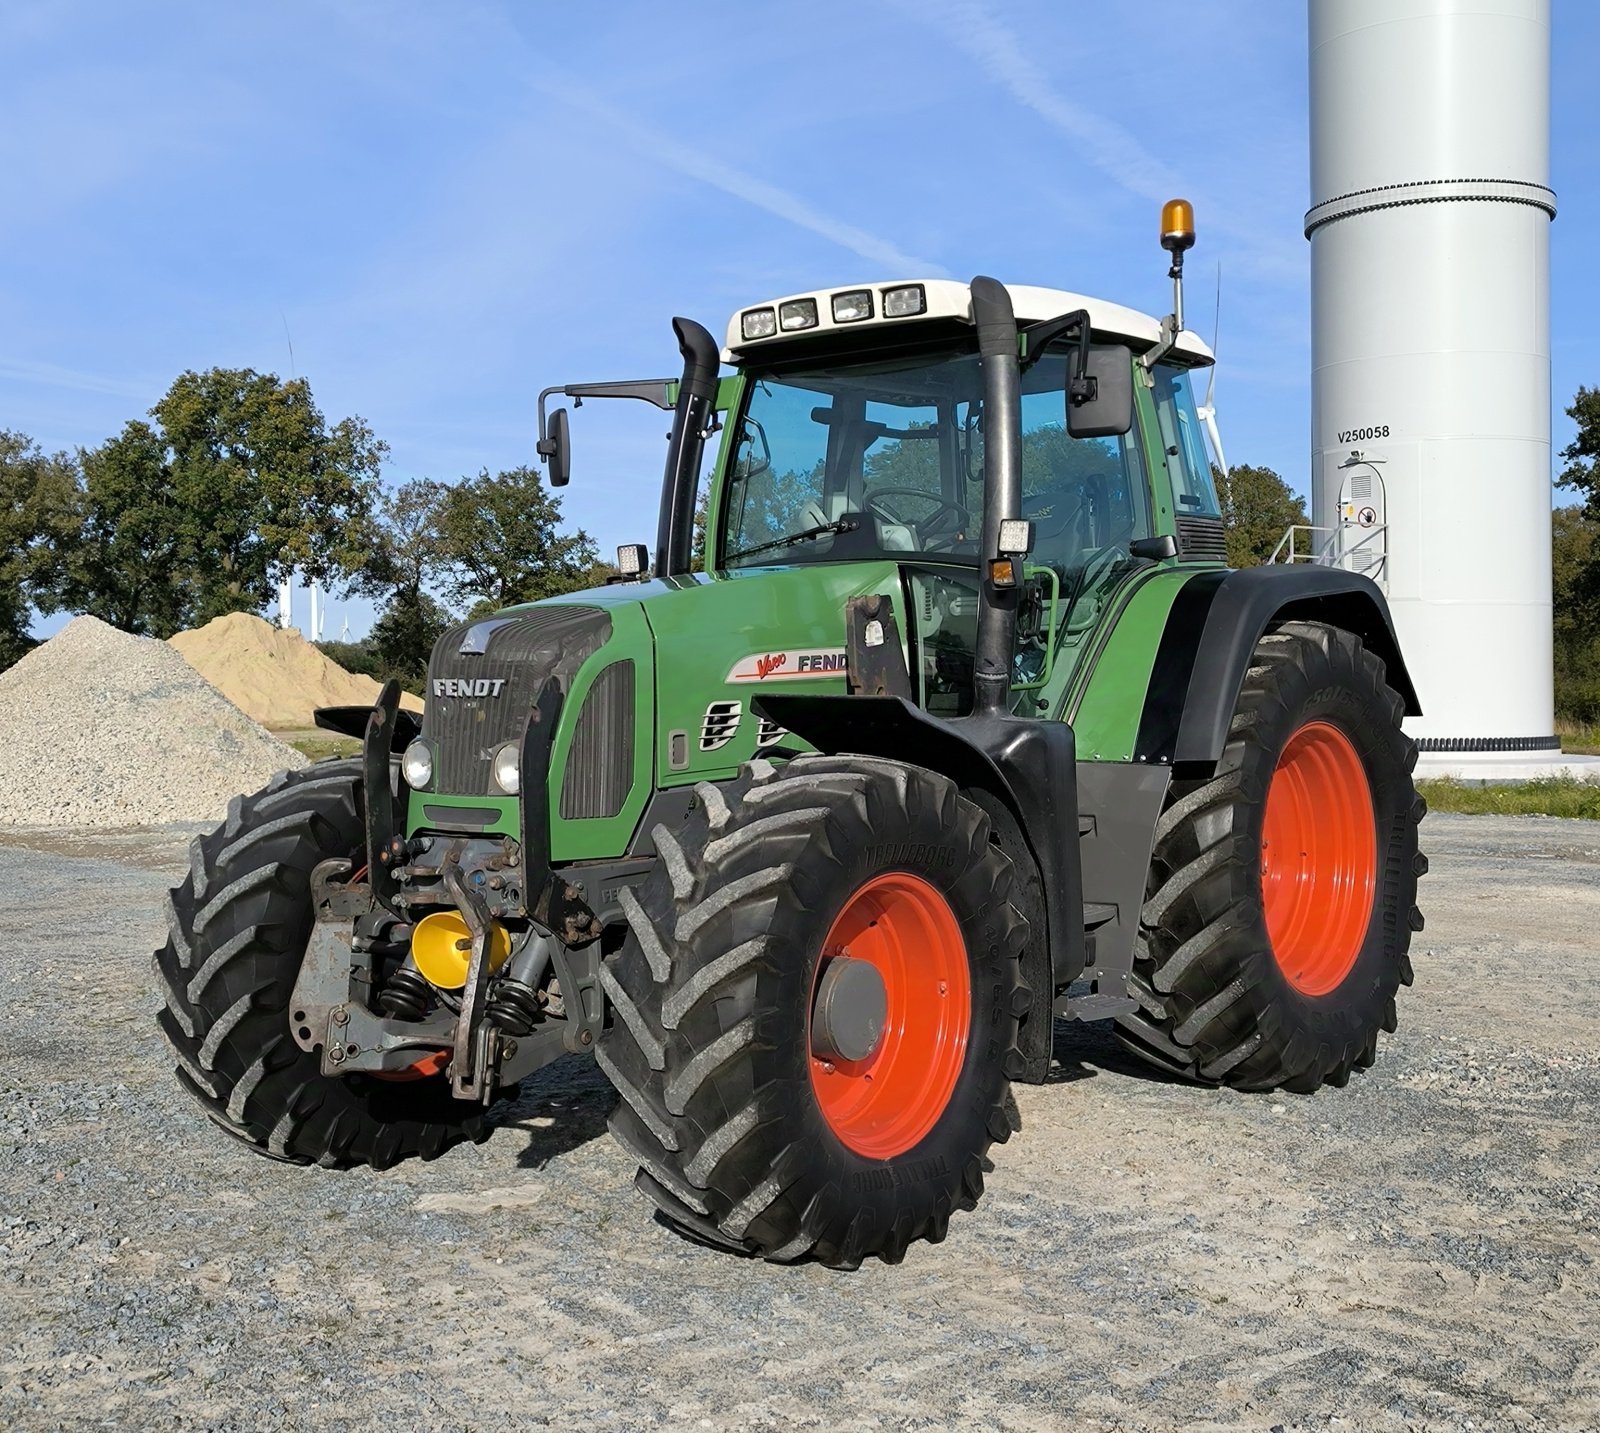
925,527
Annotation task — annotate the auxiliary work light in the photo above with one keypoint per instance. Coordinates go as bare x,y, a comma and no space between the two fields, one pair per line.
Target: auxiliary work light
904,301
797,314
1016,537
632,558
758,323
852,306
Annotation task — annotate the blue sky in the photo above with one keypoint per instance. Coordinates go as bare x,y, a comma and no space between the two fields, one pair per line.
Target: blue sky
446,208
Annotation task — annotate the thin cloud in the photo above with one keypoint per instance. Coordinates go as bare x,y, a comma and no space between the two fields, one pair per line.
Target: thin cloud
1102,142
746,187
52,375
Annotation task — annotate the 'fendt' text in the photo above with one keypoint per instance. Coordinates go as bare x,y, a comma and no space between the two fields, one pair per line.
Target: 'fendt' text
468,686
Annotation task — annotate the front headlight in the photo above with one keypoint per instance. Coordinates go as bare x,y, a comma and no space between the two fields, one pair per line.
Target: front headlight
417,765
508,768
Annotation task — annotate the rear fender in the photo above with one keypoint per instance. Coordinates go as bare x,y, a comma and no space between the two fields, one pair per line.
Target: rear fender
1214,625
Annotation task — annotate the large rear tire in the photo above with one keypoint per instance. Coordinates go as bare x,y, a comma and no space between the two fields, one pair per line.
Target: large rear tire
238,929
1282,893
772,1106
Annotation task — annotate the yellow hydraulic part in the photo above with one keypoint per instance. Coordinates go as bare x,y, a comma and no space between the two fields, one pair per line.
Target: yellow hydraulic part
441,945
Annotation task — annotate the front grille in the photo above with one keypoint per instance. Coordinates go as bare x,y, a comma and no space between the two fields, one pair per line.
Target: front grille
508,659
1203,537
600,760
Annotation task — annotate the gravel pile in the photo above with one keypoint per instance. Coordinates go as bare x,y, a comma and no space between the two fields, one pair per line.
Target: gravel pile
98,728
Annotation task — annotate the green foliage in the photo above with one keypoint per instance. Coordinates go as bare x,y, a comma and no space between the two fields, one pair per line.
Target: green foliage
499,542
357,657
1575,570
405,558
37,514
239,481
1582,454
1548,796
1258,507
404,634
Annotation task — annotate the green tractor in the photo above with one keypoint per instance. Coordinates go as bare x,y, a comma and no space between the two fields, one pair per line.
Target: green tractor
964,727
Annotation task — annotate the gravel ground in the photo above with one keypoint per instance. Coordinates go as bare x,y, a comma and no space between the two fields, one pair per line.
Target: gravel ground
1418,1250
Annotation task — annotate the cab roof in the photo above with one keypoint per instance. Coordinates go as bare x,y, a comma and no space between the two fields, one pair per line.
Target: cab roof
948,299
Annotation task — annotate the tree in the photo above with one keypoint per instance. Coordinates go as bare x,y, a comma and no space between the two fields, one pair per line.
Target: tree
1575,553
125,563
1582,454
263,485
239,481
1258,507
37,514
501,543
405,558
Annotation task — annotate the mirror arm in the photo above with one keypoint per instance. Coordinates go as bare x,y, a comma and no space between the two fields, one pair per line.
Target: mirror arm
659,391
1038,337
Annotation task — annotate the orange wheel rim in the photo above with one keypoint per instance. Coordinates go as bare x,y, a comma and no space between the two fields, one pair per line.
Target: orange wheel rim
1319,858
886,1103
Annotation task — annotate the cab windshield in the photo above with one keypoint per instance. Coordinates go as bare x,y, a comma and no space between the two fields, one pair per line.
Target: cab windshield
883,460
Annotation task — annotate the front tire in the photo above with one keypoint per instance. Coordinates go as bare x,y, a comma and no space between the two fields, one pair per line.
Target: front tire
1282,889
765,1119
238,929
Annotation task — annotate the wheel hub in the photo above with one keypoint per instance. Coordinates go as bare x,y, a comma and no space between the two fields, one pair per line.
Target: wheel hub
851,1008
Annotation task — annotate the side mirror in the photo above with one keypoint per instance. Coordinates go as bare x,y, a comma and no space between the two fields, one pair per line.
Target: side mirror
1154,549
556,449
1100,391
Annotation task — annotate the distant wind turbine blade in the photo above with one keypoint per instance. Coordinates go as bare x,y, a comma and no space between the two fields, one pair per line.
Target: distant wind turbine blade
1209,418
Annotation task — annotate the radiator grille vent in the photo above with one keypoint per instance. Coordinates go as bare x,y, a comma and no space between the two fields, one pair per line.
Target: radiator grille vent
1202,537
599,770
516,655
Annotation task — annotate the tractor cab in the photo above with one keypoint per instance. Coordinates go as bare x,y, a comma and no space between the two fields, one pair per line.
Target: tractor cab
856,431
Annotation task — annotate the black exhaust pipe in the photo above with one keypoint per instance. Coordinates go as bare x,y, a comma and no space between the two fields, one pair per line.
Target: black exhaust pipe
697,398
1002,489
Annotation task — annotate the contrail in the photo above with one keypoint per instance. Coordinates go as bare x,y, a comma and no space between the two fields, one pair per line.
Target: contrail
735,182
1103,142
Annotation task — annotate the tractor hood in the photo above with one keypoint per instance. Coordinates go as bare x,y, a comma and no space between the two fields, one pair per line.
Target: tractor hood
649,685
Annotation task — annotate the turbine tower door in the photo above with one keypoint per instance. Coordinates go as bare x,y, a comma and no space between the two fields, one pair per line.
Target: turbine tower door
1363,538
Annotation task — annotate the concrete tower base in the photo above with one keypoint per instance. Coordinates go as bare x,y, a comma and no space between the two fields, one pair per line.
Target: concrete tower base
1505,767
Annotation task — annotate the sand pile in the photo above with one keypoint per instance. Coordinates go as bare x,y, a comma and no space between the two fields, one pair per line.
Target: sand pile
98,728
273,674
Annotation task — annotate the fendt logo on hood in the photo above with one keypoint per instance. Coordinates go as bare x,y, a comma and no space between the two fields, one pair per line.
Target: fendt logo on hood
468,686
